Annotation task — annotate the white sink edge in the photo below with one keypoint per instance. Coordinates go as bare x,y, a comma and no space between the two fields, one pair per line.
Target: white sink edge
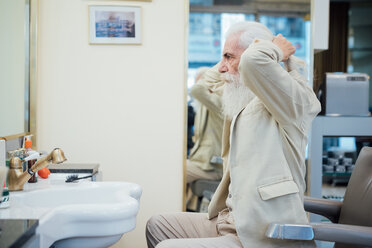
23,198
134,190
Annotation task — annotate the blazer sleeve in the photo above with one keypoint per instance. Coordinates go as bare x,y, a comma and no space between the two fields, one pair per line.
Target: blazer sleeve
285,95
208,90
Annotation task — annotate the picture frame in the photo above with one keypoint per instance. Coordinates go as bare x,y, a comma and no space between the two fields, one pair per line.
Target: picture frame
115,24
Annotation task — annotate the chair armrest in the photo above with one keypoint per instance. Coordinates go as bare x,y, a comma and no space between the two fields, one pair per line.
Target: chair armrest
346,234
327,208
290,231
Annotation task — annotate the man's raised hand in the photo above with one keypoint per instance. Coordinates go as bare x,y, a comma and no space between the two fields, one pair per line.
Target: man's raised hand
287,48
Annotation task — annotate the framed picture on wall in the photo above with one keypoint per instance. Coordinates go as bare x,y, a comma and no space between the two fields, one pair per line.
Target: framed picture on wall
115,25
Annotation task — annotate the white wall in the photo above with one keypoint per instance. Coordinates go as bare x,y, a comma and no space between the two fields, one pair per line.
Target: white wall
119,105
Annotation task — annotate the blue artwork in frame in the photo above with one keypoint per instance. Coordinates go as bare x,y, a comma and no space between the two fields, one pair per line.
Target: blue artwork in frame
114,24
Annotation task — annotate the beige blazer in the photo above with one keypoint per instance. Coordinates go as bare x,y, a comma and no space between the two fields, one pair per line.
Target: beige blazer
208,125
264,147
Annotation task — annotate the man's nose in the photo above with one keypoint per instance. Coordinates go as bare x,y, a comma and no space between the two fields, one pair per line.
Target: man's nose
222,68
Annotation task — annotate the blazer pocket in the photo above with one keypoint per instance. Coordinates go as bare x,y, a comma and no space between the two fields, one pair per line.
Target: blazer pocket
269,191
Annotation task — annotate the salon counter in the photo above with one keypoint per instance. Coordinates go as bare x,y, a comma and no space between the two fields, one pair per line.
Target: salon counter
18,233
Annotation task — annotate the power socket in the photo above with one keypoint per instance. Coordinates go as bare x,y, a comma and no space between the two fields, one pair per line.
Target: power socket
2,153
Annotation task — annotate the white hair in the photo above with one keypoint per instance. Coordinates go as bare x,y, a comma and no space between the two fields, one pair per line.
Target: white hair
249,31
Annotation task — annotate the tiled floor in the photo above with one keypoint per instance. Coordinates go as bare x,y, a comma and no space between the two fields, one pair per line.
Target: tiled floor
332,191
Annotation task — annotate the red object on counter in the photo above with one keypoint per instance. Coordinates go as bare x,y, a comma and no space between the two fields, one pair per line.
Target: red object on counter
44,173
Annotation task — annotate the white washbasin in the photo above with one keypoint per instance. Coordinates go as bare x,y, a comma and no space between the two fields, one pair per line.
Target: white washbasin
84,214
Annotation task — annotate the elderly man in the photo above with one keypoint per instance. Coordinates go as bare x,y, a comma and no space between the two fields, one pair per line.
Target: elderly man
269,111
208,132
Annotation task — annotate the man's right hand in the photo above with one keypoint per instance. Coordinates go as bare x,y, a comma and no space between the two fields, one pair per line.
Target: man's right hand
287,48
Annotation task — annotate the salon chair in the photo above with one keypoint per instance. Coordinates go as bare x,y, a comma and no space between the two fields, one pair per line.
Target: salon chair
204,187
351,219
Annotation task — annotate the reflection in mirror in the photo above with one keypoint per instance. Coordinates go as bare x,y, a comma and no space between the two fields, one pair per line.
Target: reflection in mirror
208,23
14,66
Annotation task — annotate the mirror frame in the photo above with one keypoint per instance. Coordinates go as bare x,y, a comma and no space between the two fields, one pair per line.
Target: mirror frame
34,7
185,115
32,82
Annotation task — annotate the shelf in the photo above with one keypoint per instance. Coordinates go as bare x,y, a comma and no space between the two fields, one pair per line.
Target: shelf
337,173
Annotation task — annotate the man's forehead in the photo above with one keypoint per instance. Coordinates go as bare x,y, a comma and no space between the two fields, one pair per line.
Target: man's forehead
232,43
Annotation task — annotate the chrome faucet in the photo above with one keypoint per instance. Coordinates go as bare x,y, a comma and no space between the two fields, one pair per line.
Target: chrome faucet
17,178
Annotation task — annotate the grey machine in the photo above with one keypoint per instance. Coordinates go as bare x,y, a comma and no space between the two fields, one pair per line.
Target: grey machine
345,94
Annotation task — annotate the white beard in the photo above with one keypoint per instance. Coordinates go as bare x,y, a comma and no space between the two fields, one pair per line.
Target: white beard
236,95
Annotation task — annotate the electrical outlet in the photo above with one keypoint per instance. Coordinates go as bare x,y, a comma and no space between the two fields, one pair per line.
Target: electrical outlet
2,153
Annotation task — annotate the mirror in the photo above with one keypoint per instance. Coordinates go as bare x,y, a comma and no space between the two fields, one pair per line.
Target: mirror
17,65
208,23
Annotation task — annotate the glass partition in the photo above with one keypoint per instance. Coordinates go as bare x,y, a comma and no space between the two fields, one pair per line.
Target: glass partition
14,66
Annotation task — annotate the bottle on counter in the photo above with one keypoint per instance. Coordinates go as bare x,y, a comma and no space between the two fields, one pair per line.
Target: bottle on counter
4,192
4,201
30,163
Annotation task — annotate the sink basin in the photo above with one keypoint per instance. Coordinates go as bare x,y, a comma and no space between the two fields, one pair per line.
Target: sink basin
84,214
